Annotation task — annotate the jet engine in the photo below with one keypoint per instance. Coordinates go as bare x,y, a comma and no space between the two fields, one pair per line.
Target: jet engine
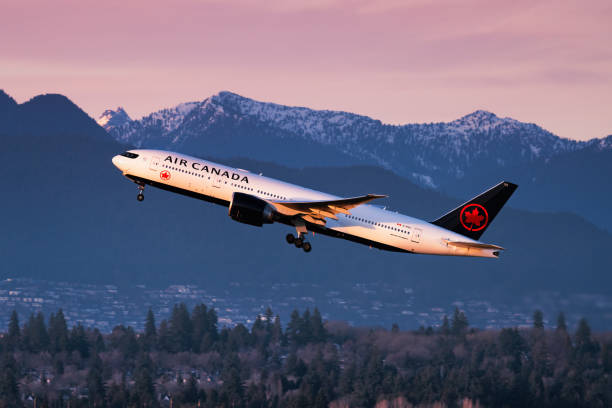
250,210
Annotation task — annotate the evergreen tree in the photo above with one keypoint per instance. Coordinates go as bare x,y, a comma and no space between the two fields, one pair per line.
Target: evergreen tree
538,319
561,325
150,332
212,321
9,390
164,337
95,384
238,338
541,358
77,340
277,331
199,319
35,335
259,333
97,341
181,330
512,344
211,333
258,325
58,332
583,334
144,392
445,328
14,333
459,324
269,319
232,387
293,331
319,333
305,335
124,340
585,346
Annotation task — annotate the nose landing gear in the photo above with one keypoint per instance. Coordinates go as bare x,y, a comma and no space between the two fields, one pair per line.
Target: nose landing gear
299,242
140,195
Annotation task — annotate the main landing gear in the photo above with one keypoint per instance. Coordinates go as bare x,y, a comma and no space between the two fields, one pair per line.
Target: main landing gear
140,195
299,242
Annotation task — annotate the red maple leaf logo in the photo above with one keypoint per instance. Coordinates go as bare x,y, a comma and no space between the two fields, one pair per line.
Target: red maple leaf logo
473,217
165,175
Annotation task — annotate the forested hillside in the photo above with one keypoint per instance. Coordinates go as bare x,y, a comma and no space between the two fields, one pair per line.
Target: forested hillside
188,361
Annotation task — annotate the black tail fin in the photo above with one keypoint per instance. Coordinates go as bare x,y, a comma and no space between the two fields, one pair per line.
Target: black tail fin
472,218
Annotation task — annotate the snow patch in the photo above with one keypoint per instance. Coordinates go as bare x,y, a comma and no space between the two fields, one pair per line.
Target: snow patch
113,118
425,180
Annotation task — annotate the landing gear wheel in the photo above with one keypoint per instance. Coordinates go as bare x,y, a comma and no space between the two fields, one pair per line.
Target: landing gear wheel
298,242
307,247
290,238
141,187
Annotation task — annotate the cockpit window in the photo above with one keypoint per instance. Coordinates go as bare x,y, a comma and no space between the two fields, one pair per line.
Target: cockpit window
129,155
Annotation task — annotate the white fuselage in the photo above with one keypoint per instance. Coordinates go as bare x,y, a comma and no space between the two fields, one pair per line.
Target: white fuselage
368,224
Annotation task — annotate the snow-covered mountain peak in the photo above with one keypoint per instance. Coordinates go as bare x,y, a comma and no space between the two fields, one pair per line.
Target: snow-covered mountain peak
185,108
113,118
481,120
481,115
170,118
319,125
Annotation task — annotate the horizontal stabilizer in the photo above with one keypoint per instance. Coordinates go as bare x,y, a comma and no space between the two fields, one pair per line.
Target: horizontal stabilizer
460,244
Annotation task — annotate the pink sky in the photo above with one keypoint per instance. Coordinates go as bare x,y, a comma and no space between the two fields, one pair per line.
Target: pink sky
548,62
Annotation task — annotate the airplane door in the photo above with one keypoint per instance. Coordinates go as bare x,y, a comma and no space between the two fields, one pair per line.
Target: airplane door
215,184
154,163
416,235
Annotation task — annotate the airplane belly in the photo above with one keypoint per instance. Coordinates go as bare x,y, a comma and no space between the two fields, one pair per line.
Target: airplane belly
375,236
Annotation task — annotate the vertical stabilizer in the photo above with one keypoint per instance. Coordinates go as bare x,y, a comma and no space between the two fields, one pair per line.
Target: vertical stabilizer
474,217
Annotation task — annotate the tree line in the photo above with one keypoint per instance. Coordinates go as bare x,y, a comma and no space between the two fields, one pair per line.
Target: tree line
187,360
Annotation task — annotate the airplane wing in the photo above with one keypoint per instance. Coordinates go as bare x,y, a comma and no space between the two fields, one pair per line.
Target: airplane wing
316,211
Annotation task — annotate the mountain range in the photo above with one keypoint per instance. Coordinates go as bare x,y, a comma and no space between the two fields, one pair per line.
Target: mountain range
69,215
456,158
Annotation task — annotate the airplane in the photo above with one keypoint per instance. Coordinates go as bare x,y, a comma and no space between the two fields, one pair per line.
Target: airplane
257,200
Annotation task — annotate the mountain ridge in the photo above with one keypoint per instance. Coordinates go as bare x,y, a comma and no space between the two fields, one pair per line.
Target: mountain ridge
480,119
409,149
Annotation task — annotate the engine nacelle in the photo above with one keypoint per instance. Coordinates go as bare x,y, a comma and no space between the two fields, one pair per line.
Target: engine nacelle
250,210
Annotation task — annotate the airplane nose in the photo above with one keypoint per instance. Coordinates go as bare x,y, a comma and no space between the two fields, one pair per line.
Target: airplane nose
116,160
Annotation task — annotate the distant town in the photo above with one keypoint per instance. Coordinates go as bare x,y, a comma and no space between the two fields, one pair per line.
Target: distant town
360,304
